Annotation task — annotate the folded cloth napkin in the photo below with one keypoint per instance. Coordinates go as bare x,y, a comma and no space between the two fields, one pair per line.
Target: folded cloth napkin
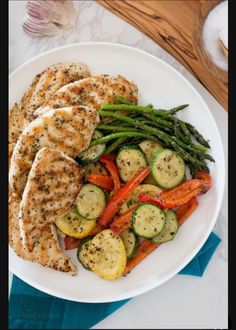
198,264
33,309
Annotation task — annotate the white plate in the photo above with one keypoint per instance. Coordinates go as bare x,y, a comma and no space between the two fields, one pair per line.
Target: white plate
163,86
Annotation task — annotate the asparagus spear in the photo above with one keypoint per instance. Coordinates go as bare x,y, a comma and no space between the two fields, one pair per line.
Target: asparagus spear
115,145
122,100
188,128
137,108
161,113
173,111
116,128
160,134
199,138
185,131
193,148
113,136
162,122
209,157
177,131
140,108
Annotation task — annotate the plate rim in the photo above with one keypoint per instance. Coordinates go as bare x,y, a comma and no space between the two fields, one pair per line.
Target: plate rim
204,237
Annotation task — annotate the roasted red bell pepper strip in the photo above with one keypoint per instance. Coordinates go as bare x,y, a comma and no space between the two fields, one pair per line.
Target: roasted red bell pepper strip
112,155
103,181
149,199
118,198
184,211
176,197
146,247
71,242
112,169
122,222
169,204
206,179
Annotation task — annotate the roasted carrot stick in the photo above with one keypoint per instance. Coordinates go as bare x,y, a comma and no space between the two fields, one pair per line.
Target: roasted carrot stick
144,249
184,211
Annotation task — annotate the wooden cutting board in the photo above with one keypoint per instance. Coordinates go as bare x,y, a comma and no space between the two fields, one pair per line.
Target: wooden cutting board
172,24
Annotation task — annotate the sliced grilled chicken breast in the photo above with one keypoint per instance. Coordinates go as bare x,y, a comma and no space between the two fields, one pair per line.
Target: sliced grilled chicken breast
10,151
16,123
47,252
53,183
43,86
13,226
92,91
67,129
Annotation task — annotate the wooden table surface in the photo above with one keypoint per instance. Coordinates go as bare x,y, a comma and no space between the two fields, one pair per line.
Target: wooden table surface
171,24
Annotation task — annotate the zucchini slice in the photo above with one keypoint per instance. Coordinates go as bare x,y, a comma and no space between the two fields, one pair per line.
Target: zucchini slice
150,180
107,255
96,167
83,252
73,225
130,242
168,168
170,229
148,220
149,147
93,153
130,160
149,189
90,201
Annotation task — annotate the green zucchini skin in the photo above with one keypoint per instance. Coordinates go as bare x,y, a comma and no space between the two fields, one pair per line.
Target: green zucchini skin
148,220
149,147
167,168
170,229
130,160
130,242
96,167
82,252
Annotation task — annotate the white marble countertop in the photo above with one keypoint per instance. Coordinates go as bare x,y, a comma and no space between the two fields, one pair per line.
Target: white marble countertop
184,301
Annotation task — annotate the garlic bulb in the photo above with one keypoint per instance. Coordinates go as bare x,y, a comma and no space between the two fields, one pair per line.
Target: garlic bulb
48,17
37,28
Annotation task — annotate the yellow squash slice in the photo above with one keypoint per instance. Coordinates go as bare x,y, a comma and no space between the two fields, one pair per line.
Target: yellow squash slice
74,225
107,255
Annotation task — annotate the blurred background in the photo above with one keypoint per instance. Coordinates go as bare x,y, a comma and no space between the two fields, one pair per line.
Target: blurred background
195,32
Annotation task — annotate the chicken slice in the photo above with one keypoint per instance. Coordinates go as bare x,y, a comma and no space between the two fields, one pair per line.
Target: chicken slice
92,91
11,147
53,183
13,226
44,85
47,252
16,122
67,129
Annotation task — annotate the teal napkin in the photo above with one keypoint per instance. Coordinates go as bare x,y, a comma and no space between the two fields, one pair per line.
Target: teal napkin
33,309
197,265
